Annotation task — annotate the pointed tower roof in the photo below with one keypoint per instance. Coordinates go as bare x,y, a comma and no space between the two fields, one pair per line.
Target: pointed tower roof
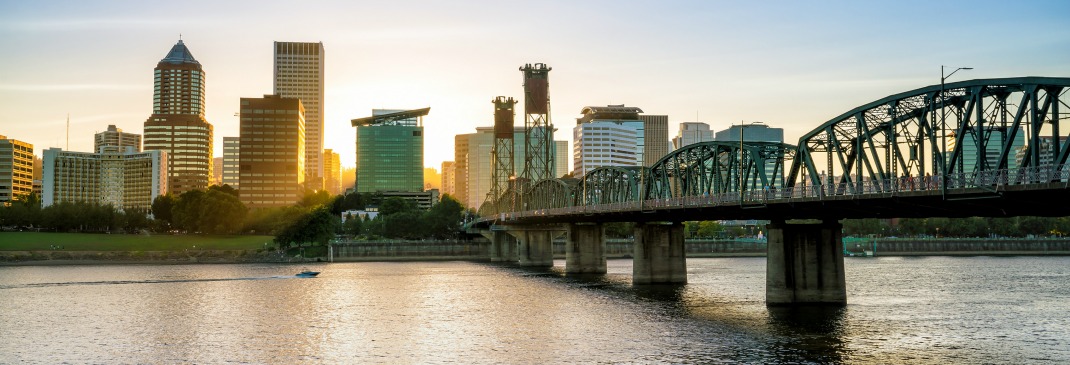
179,54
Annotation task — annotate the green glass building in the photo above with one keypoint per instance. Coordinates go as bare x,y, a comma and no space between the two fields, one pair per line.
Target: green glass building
390,151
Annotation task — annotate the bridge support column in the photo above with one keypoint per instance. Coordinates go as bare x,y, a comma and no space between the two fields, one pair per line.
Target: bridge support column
804,264
536,248
502,247
585,249
659,253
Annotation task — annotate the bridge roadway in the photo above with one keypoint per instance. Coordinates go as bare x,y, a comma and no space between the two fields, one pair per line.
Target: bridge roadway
913,154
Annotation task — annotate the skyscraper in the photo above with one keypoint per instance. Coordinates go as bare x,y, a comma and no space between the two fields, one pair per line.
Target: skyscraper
177,125
655,138
271,151
16,169
299,74
691,133
116,140
231,161
390,151
332,168
448,180
608,136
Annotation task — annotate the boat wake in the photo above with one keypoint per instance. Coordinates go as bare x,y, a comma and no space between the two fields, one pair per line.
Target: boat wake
119,282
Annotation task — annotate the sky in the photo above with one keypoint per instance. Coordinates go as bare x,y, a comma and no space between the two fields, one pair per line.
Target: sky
789,64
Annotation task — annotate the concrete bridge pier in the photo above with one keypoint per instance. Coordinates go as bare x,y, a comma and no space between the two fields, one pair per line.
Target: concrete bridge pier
804,264
585,249
536,247
502,247
659,253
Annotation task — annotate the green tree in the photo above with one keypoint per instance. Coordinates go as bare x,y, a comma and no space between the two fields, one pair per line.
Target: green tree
619,229
443,220
709,229
163,206
395,205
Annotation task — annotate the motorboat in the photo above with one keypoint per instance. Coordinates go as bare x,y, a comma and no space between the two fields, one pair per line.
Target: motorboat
306,273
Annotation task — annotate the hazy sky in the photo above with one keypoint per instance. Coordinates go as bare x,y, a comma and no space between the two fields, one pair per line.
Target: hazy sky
791,64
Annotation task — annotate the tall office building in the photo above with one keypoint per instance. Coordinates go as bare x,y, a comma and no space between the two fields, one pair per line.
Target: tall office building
655,138
115,140
271,151
691,133
16,169
299,74
332,172
128,180
232,162
390,151
608,136
561,157
217,171
177,125
460,168
449,183
751,133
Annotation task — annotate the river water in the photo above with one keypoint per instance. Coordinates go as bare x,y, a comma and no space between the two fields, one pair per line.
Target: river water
935,310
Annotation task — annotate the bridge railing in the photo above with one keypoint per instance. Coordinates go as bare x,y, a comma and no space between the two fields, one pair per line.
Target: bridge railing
912,185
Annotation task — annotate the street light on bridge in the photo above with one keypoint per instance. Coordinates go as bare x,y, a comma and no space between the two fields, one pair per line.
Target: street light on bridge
943,129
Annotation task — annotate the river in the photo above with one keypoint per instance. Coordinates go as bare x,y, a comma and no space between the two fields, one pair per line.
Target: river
934,310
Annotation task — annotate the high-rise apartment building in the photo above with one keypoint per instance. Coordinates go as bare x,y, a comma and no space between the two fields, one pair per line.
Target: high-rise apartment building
115,140
16,169
299,74
232,162
691,133
271,151
332,172
655,138
611,135
390,151
128,180
177,125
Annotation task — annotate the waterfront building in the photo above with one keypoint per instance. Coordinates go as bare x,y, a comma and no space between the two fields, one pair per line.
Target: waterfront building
16,169
691,133
390,151
271,152
332,172
115,140
655,138
608,136
128,180
177,125
298,73
232,162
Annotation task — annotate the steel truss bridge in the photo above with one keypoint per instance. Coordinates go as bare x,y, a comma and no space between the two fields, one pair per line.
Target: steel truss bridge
986,147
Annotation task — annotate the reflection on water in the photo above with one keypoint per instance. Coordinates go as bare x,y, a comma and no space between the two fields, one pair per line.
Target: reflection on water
916,310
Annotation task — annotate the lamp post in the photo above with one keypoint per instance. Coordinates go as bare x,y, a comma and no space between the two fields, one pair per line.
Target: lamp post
742,181
943,130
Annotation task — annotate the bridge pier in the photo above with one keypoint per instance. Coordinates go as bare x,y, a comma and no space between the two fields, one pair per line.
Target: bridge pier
502,247
659,253
585,249
536,247
804,264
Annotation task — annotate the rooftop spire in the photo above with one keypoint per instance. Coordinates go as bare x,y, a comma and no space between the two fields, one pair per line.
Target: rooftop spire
179,54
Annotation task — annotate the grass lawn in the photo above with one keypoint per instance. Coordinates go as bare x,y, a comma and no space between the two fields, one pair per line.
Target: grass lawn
31,241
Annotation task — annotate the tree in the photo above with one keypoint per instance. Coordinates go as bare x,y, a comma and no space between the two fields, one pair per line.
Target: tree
709,229
215,211
313,199
395,205
619,229
163,206
316,227
443,220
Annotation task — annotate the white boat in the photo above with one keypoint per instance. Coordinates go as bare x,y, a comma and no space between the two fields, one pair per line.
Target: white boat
307,273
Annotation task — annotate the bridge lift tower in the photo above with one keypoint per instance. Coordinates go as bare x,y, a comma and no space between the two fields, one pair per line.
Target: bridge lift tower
539,131
504,172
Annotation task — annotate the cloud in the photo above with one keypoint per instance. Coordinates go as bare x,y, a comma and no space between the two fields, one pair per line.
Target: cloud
71,87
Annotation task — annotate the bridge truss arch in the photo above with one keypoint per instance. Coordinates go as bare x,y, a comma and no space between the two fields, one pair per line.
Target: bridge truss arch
963,134
552,193
611,184
715,168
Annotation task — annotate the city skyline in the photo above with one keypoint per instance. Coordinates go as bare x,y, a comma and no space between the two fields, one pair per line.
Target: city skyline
788,65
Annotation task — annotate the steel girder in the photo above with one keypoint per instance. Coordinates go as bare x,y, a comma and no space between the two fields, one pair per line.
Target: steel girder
552,193
963,129
711,168
612,184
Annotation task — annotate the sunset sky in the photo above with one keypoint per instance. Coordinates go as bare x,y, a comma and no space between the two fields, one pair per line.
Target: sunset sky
790,64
